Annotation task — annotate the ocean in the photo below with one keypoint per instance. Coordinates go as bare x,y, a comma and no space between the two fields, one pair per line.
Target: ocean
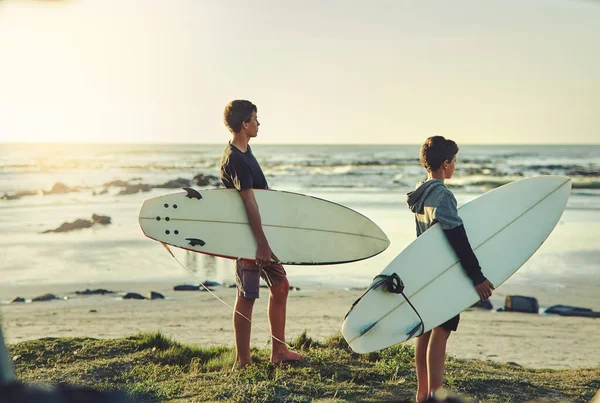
371,179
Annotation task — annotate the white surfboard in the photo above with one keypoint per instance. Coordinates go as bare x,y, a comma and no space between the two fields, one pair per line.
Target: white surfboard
301,230
505,227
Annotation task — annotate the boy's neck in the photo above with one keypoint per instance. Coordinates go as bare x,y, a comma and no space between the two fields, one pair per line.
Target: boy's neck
439,174
240,141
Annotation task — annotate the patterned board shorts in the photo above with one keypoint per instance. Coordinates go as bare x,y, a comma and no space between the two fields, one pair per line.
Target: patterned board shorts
248,274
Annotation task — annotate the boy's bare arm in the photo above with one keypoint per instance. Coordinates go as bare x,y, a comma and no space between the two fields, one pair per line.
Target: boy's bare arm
263,250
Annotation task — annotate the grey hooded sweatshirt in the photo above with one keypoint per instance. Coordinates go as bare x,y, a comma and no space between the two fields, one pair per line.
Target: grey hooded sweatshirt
433,202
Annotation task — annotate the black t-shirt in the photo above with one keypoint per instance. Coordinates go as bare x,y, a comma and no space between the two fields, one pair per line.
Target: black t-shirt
240,170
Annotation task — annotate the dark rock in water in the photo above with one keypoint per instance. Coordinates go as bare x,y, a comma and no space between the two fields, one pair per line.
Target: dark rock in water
100,219
131,189
93,311
133,295
155,295
80,223
70,226
17,299
566,310
186,287
210,283
24,193
18,392
58,188
10,197
561,309
45,297
518,303
174,184
202,180
293,288
98,291
20,194
117,183
583,314
483,305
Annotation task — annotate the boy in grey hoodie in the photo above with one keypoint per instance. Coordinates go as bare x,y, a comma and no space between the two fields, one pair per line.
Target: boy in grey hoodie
432,202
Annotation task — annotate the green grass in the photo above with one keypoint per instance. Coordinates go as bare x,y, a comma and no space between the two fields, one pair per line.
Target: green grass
151,367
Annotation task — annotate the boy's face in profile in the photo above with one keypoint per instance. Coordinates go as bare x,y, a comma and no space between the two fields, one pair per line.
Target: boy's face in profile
449,167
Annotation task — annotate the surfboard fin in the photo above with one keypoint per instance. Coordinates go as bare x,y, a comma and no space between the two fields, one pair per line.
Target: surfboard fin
367,328
195,241
192,193
414,330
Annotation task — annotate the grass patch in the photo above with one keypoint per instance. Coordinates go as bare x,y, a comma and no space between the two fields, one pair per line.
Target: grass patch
151,367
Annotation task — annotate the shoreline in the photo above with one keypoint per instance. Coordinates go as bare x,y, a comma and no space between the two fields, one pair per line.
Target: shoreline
192,317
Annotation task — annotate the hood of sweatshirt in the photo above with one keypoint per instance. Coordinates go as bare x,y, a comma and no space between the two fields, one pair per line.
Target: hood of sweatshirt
416,198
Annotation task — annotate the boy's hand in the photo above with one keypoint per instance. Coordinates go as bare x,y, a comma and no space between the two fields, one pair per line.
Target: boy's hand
484,289
265,256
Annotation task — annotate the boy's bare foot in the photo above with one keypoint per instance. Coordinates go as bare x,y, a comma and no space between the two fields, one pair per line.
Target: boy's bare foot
242,363
285,356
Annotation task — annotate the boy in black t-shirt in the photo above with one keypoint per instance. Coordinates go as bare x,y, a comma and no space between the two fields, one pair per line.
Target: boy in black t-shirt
241,171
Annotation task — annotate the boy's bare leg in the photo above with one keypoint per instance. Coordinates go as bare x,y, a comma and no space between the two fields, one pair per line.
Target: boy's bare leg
242,328
277,314
421,366
436,358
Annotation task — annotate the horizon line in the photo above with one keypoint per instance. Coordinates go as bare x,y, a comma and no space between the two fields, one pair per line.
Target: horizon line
283,144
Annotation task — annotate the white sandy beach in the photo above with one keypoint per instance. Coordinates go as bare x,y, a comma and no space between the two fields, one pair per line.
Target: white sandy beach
536,341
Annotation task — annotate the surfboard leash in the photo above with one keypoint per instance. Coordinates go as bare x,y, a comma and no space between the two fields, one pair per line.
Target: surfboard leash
217,297
395,285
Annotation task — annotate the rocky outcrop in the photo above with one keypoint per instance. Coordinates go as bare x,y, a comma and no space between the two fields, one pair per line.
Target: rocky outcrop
175,184
58,188
100,219
117,183
202,180
16,300
81,223
186,287
131,189
70,226
20,194
45,297
133,295
98,291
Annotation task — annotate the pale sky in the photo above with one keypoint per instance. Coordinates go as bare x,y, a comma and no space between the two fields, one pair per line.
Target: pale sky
320,71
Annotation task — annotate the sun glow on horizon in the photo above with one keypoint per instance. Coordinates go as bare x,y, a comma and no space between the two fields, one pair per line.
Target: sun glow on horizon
503,72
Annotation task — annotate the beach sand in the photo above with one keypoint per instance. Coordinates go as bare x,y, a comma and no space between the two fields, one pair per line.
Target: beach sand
535,341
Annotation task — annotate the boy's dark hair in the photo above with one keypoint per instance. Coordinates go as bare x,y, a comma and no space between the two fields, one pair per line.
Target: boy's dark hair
435,151
236,112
